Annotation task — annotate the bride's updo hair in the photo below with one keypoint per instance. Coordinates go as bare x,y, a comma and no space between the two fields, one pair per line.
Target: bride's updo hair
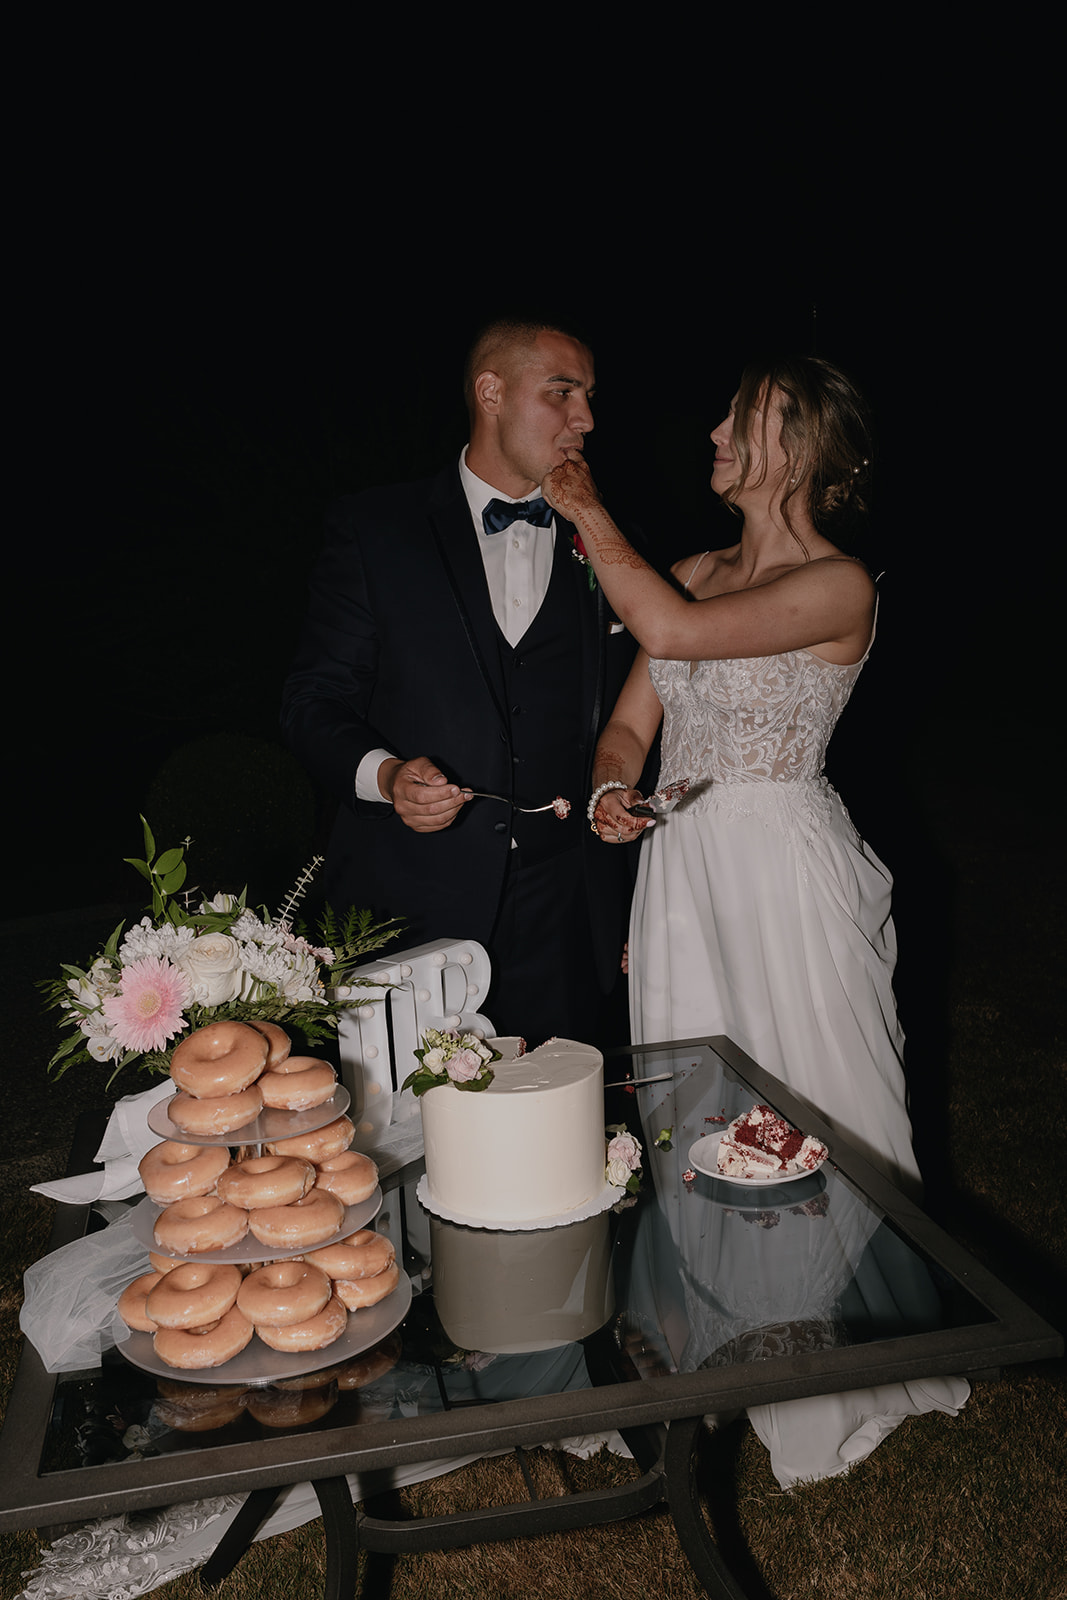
825,436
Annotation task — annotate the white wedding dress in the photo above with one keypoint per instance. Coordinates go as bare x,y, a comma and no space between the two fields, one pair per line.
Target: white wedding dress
759,913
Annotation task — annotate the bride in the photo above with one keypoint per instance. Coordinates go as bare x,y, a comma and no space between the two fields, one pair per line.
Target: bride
759,912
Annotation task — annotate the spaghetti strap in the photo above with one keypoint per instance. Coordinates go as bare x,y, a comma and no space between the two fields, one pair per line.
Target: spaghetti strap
696,569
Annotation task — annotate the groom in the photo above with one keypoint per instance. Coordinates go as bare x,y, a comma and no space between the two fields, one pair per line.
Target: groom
453,644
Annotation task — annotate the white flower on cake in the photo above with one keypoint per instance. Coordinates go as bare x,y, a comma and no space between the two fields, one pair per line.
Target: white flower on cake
461,1059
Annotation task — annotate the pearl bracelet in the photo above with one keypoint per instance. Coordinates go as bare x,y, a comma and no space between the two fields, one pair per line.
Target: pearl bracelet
612,783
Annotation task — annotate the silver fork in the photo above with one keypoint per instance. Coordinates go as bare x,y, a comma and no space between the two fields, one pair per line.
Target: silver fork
480,794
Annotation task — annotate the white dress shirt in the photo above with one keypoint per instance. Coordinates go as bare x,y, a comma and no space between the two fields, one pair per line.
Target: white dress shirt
518,569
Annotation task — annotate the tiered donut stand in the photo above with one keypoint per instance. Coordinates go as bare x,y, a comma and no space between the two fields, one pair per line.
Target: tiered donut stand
258,1363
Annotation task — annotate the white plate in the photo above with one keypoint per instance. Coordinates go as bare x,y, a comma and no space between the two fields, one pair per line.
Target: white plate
258,1363
563,1219
270,1125
702,1155
143,1224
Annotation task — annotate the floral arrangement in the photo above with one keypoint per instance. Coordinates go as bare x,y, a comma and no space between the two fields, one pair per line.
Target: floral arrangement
196,961
461,1059
623,1159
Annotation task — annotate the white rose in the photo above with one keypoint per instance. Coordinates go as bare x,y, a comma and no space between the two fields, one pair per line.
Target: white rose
618,1172
434,1060
210,963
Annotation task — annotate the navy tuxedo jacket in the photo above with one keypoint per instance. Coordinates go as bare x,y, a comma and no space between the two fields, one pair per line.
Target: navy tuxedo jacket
401,650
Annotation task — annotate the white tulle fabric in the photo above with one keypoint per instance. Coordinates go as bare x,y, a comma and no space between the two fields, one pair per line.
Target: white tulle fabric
760,914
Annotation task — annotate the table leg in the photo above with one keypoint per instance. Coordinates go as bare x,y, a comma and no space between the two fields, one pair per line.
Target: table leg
238,1536
683,1497
342,1537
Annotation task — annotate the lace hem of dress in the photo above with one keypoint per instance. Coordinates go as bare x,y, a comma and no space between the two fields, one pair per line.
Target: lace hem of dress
122,1557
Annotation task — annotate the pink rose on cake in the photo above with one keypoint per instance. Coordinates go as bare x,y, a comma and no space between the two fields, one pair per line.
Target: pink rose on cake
623,1159
625,1148
463,1066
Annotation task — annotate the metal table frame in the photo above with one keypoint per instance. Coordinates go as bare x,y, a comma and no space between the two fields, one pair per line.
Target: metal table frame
639,1410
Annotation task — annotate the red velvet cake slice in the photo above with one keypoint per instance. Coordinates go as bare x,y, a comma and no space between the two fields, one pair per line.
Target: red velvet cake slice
762,1145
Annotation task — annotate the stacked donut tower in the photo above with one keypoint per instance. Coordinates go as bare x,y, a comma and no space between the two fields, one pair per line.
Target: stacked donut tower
289,1193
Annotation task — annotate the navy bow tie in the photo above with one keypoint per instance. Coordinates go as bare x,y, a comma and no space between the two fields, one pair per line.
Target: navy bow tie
500,514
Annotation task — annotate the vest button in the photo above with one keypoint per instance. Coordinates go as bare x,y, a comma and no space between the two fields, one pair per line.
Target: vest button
500,827
516,710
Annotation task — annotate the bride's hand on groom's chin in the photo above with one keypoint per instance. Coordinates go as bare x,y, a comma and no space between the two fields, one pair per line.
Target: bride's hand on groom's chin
570,486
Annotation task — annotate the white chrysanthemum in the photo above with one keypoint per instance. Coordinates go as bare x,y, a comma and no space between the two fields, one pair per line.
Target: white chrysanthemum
145,942
249,929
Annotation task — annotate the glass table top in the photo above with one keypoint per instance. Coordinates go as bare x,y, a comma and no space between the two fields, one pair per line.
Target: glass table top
692,1276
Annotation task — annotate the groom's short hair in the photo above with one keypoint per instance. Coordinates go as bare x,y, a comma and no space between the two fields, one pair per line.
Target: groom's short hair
503,341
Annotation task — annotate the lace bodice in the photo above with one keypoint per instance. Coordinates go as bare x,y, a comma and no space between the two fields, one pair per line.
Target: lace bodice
765,719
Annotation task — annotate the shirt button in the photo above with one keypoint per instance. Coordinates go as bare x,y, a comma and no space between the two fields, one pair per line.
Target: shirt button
515,544
516,601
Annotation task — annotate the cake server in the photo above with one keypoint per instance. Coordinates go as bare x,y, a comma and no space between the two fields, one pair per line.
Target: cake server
664,800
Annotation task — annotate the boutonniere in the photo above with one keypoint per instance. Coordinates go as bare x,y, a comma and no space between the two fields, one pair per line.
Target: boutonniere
578,552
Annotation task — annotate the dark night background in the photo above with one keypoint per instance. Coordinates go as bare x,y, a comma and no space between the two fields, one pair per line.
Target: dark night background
224,320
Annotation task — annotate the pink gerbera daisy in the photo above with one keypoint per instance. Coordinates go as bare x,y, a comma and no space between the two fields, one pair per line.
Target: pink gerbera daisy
147,1011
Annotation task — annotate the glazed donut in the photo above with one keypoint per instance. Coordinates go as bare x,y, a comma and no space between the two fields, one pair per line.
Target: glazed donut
160,1263
198,1348
181,1171
278,1041
298,1084
282,1293
350,1176
357,1296
300,1226
292,1408
223,1058
189,1226
322,1145
210,1118
199,1410
315,1334
266,1181
361,1255
131,1306
194,1294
